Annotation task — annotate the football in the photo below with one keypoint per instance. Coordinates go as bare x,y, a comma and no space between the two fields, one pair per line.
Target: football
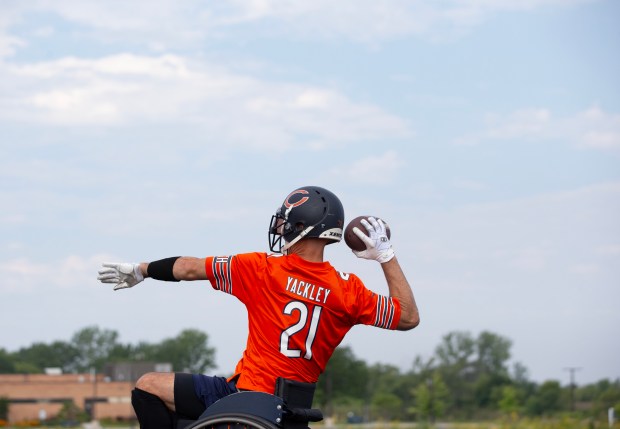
353,240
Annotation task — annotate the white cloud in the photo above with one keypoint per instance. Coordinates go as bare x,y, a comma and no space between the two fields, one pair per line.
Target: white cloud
109,90
597,129
163,24
469,185
374,20
609,249
522,123
380,170
9,44
592,128
158,25
585,269
530,258
131,89
23,276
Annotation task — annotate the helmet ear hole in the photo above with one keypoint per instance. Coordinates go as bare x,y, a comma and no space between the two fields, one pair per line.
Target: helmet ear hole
299,226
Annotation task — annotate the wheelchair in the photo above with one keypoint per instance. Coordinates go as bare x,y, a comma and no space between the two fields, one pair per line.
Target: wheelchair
288,408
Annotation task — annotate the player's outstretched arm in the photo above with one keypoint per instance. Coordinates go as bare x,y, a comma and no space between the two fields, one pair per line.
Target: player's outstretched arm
125,274
379,248
184,268
400,289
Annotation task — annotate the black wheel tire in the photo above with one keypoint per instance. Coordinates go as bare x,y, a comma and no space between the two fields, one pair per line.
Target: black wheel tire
232,421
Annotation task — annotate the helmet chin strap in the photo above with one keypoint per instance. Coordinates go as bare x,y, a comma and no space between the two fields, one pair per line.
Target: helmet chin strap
303,233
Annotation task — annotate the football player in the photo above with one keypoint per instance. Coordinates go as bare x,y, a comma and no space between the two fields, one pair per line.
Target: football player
299,306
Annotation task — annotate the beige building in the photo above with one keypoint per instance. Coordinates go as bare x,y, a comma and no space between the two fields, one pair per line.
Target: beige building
32,396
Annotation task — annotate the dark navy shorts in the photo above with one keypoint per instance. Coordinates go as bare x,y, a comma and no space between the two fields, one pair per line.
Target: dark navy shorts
193,393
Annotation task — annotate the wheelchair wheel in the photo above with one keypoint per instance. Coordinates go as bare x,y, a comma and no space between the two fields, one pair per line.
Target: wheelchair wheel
232,421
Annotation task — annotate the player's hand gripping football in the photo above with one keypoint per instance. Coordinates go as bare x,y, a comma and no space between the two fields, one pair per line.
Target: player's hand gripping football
378,246
124,275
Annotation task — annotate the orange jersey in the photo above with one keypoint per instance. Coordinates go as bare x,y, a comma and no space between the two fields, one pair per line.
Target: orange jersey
298,313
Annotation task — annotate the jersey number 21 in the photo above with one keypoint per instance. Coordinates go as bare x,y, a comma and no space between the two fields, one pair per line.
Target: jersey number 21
304,318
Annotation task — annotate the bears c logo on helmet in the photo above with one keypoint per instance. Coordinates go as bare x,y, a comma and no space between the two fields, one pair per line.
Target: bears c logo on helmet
302,200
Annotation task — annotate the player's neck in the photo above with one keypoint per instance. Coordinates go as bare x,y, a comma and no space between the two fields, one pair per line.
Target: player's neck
311,250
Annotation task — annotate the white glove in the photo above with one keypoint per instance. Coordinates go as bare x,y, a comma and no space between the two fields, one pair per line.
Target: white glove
123,274
378,246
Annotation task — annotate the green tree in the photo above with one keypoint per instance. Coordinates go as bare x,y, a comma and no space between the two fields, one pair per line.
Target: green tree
493,352
608,396
120,353
189,351
456,360
26,368
421,369
386,405
520,373
7,364
346,406
520,381
388,379
546,399
94,346
4,408
69,414
143,351
456,350
474,370
509,400
431,397
487,389
345,376
385,380
39,356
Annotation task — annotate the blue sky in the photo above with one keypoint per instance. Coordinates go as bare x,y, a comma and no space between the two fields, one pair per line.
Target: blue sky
486,133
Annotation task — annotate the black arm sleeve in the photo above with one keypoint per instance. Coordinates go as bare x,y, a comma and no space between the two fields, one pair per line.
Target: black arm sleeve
162,269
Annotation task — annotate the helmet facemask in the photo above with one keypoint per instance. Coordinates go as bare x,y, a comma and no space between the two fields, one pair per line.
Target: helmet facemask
275,232
282,230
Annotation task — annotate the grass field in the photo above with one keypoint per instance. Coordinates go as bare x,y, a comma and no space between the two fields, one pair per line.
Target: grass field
558,423
565,423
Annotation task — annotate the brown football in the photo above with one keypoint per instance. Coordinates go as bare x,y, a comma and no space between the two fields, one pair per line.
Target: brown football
353,240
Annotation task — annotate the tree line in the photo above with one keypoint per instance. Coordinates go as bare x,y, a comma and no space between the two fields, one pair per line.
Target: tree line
466,378
91,348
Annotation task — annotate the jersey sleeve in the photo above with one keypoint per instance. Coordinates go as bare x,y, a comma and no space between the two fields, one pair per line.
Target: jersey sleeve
232,274
374,309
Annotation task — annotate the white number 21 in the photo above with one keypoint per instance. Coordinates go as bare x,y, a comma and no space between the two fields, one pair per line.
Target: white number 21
301,323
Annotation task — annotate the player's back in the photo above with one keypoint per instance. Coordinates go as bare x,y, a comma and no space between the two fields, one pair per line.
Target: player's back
298,313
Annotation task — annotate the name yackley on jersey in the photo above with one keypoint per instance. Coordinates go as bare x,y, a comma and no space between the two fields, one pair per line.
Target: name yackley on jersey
307,290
